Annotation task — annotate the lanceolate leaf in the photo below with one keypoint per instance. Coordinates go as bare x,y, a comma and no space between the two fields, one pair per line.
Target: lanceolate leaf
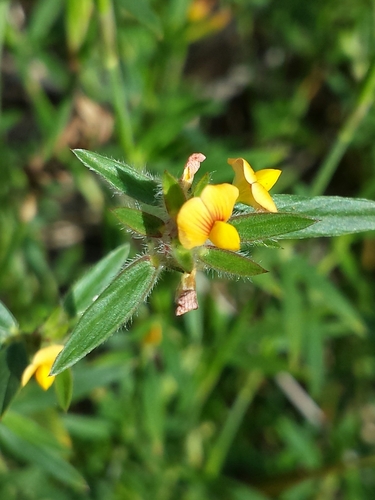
141,222
83,293
229,262
262,226
122,177
336,215
111,309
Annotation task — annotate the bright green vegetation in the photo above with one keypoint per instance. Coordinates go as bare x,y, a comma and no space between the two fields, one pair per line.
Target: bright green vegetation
267,390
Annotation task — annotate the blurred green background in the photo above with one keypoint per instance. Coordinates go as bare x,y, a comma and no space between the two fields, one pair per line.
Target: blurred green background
266,391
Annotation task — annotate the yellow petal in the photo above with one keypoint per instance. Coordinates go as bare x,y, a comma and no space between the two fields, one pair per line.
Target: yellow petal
219,200
268,177
28,373
47,354
263,198
42,376
240,167
225,236
242,170
194,223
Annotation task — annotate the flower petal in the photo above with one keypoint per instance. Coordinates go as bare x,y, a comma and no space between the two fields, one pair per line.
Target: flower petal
42,376
219,200
28,373
191,167
225,236
267,177
194,223
242,170
263,198
47,354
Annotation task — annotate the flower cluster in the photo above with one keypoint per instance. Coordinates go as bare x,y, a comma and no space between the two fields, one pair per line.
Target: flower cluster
202,215
205,217
195,228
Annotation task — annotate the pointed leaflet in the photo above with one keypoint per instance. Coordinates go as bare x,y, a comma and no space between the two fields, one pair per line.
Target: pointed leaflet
140,222
257,226
122,177
112,308
336,215
82,293
228,262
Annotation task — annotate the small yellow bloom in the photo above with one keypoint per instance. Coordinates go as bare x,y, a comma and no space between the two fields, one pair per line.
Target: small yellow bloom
205,217
41,365
254,186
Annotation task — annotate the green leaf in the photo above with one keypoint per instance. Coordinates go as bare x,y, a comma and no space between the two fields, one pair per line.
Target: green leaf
261,226
84,292
29,442
114,307
231,263
64,388
126,179
174,196
141,222
336,215
8,323
13,361
142,11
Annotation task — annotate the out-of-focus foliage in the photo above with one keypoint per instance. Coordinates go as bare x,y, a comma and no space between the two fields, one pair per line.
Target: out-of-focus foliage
267,390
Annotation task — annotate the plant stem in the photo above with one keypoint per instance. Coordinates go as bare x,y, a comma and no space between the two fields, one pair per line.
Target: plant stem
220,449
112,64
346,134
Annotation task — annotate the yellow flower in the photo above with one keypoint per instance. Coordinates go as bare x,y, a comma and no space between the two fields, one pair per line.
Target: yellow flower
41,365
205,217
254,186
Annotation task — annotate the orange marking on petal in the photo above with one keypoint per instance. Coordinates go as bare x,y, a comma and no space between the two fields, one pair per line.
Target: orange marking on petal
194,223
219,200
